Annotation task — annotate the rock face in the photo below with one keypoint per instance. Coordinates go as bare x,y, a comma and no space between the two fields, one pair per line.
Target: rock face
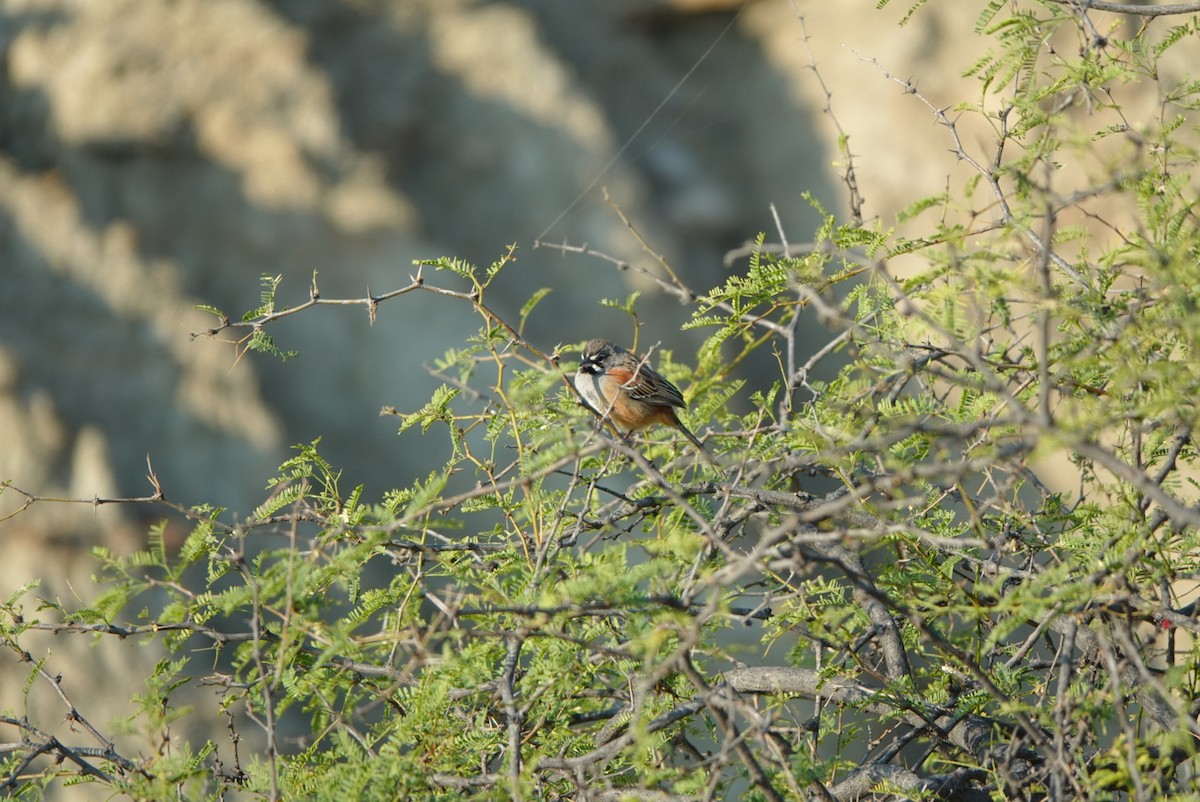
160,154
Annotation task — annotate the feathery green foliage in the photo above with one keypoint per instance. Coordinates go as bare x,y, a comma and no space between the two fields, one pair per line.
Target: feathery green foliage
957,566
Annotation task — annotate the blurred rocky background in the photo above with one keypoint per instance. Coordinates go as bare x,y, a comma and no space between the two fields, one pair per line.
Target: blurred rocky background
159,154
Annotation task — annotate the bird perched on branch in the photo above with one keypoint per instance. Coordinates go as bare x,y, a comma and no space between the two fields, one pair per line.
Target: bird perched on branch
624,390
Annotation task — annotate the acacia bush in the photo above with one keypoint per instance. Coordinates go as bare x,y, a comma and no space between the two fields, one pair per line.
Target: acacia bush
962,568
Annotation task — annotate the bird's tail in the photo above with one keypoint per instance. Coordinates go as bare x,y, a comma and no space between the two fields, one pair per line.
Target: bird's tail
696,442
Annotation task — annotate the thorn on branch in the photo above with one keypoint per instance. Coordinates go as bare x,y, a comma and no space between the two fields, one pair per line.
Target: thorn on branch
153,478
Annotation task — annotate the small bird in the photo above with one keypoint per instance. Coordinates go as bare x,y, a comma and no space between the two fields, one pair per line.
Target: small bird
623,389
